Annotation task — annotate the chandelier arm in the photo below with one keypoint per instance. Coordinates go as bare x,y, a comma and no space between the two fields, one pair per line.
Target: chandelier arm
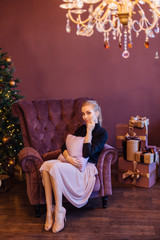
135,21
158,13
102,6
152,25
75,21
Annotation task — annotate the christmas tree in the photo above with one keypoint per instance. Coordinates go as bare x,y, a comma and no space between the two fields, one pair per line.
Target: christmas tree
10,133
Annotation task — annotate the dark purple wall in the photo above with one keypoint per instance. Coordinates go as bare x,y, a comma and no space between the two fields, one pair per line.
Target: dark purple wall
54,64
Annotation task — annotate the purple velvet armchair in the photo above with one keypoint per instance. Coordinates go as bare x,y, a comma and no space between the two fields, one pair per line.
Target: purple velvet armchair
45,125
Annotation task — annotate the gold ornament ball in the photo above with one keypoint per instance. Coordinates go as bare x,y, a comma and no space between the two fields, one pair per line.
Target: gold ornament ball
12,83
8,59
11,162
5,139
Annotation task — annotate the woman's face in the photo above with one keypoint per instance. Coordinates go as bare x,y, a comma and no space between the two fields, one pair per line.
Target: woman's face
89,115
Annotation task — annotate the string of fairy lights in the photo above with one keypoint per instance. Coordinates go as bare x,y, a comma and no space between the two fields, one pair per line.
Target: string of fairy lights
10,133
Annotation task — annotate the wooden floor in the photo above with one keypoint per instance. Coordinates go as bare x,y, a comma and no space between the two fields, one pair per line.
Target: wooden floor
132,213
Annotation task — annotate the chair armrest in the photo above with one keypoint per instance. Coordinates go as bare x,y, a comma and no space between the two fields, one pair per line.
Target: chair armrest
51,155
30,159
110,150
108,156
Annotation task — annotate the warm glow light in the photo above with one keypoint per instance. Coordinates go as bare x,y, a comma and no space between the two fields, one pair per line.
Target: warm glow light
116,18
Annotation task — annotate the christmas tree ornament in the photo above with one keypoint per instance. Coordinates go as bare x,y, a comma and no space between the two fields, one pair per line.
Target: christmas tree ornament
11,161
5,139
8,59
12,83
10,138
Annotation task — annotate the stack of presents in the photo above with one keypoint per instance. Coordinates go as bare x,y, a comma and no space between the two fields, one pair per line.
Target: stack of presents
139,163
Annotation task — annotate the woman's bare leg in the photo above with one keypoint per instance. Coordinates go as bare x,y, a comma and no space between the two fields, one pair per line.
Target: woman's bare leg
60,211
48,195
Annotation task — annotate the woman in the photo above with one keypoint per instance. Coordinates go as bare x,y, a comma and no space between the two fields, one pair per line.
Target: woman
66,177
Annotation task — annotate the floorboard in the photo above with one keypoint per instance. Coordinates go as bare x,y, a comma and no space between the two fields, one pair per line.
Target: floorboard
132,213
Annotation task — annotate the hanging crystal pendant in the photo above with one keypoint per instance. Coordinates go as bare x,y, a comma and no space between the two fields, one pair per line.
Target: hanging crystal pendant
150,33
68,28
106,45
157,28
130,39
156,56
120,45
125,53
146,44
130,45
106,40
114,35
78,30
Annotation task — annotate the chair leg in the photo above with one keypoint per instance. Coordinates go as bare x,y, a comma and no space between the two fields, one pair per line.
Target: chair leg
37,210
104,201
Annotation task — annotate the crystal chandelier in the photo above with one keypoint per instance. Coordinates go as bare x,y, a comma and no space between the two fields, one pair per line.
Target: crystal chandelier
116,18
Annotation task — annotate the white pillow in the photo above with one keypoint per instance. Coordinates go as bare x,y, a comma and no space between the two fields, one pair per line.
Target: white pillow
74,146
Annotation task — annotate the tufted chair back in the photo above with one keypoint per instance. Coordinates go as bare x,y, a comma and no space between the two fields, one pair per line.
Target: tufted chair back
45,124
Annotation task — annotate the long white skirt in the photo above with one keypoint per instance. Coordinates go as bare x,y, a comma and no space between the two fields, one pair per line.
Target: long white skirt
75,185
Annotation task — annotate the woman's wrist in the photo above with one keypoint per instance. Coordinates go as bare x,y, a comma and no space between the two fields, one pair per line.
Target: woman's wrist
88,137
68,158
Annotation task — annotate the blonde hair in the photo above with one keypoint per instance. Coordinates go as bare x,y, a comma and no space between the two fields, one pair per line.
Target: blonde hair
96,108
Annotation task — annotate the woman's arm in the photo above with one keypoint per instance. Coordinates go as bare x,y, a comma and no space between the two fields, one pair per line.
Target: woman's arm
96,145
88,137
75,162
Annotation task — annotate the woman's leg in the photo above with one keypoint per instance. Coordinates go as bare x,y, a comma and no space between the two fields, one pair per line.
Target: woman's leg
60,211
48,195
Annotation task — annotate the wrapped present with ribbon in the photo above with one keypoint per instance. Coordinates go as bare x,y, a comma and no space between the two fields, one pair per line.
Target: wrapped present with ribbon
131,145
139,174
139,122
148,155
122,129
156,151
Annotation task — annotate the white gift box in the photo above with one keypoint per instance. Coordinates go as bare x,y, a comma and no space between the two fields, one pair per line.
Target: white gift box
147,157
139,122
130,147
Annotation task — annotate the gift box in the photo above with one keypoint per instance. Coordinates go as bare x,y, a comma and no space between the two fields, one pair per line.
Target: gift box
138,174
122,129
139,122
156,150
145,157
148,155
130,146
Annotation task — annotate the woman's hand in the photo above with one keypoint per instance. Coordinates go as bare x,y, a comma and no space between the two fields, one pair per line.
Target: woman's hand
75,162
90,126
